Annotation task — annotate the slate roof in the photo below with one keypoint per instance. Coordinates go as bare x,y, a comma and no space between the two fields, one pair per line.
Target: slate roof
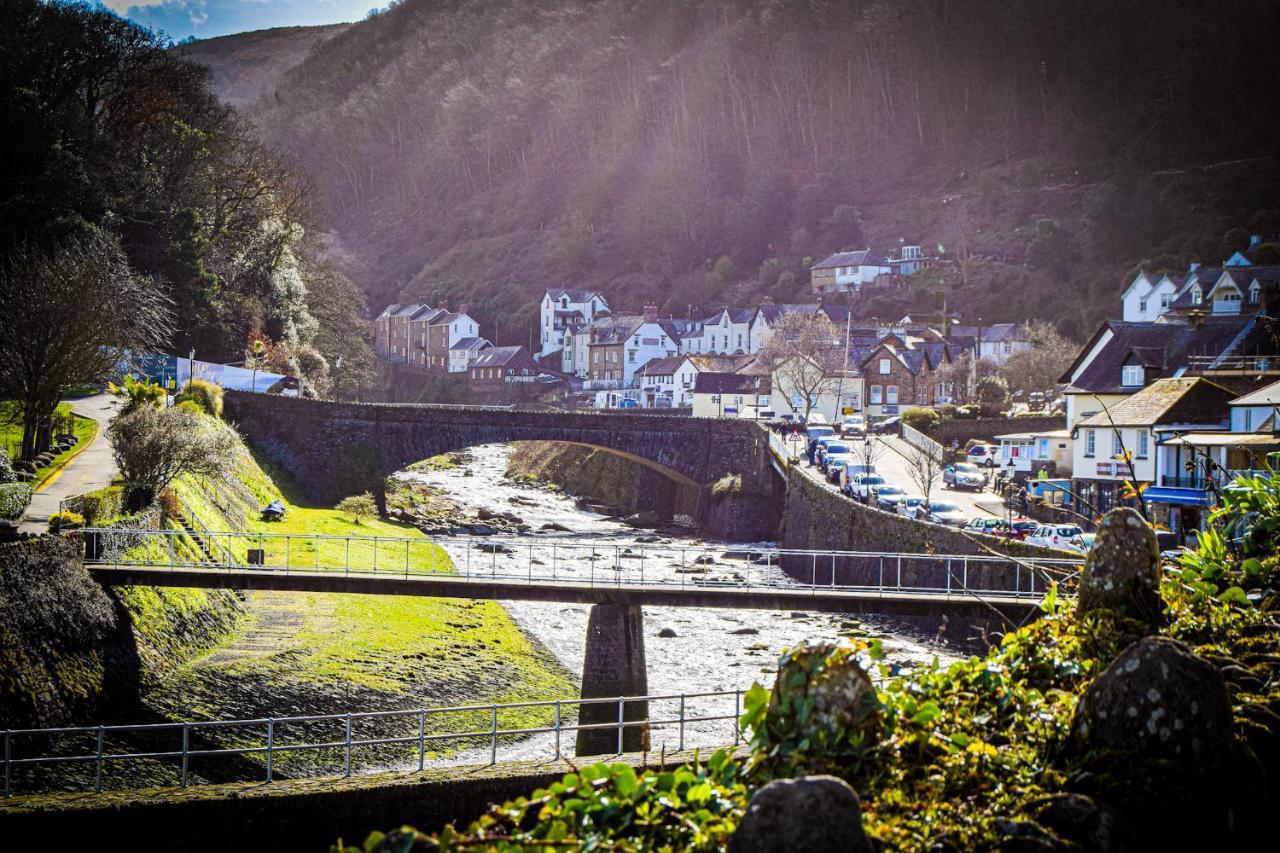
864,257
502,356
388,311
408,309
720,363
1268,395
1003,332
471,343
729,383
772,312
1143,342
664,366
736,315
614,330
1189,400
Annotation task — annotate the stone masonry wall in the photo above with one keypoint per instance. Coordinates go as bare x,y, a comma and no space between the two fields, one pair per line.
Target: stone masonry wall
986,429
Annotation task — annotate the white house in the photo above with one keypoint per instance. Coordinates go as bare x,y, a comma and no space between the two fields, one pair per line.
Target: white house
668,382
726,332
1001,340
847,271
464,352
565,309
730,395
1148,296
1032,451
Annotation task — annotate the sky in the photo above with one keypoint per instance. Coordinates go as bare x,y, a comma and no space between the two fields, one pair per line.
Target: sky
207,18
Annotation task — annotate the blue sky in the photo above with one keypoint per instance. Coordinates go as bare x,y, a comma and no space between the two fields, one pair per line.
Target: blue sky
208,18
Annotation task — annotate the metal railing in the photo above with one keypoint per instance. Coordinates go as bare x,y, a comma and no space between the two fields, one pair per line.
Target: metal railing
563,564
267,738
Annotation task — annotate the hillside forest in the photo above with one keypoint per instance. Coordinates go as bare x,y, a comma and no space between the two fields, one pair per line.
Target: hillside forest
702,152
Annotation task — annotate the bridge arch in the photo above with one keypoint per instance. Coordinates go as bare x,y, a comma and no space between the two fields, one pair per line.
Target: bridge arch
336,449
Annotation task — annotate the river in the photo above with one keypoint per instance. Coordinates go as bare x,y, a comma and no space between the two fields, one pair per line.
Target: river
712,650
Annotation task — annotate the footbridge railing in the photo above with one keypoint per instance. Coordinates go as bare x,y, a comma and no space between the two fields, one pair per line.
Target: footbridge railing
179,753
533,560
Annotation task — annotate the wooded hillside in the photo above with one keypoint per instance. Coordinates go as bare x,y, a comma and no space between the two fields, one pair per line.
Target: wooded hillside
700,151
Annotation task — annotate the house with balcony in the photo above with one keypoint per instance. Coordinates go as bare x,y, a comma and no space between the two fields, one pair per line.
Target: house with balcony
565,310
1033,452
910,260
847,272
617,347
1123,444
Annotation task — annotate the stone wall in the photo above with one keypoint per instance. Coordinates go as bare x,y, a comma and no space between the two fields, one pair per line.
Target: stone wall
337,449
818,518
986,429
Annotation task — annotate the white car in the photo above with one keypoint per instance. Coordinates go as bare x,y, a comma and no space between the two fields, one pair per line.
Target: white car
1082,543
853,425
908,504
986,455
860,485
1054,535
941,512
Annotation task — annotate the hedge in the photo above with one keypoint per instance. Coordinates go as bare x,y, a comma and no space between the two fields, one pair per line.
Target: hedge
14,500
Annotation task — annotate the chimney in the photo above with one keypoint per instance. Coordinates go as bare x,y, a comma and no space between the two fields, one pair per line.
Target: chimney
1195,318
651,313
462,309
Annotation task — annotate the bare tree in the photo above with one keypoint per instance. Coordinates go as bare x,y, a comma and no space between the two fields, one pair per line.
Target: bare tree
71,317
153,448
924,470
805,355
1038,368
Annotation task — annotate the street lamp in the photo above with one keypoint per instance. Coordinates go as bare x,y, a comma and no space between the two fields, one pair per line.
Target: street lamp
1008,502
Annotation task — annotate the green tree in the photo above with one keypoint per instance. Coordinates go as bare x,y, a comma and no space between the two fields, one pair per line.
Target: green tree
993,395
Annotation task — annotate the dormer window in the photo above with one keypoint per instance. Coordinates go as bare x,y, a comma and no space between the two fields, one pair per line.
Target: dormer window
1131,375
884,366
564,302
1255,293
1196,296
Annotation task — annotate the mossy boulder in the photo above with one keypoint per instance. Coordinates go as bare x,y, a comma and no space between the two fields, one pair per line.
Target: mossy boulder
1122,572
1153,736
815,814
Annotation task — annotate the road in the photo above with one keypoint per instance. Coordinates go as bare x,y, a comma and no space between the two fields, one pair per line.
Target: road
891,461
93,468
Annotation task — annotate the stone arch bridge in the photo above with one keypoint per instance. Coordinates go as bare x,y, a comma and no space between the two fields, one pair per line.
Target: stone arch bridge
337,449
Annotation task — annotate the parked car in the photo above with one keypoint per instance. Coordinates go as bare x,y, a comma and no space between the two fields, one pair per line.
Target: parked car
908,504
964,475
887,497
991,526
986,455
1053,535
860,485
1023,527
886,426
831,451
1082,543
941,512
853,425
820,446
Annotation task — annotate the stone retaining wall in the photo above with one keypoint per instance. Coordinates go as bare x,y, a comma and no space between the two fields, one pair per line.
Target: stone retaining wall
986,429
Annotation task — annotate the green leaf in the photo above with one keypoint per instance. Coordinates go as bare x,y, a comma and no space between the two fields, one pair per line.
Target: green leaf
1234,595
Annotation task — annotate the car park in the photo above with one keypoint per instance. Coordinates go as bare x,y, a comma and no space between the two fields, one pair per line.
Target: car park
1053,535
908,504
886,426
964,475
853,425
941,512
887,497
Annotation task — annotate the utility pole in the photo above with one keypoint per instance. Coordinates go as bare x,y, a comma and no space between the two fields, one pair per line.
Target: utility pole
844,362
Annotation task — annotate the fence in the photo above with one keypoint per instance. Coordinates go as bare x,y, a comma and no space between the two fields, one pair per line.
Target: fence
922,442
267,737
555,562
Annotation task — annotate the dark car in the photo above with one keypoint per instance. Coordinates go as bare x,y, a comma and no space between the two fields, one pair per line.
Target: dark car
886,426
1023,527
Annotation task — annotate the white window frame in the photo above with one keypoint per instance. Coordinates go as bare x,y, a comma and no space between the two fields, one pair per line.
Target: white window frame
886,367
1131,376
1090,443
1144,445
1117,442
891,395
877,394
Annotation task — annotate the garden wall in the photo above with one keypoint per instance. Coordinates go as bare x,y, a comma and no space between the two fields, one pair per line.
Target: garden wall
986,429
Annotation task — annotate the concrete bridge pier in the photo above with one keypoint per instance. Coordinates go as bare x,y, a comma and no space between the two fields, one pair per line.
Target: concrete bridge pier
614,665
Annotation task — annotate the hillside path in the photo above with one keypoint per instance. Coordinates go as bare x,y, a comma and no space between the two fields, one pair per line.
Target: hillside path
93,468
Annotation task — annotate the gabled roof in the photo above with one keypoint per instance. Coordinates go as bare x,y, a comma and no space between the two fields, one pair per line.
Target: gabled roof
425,314
736,315
1189,400
614,330
388,311
1142,342
864,257
771,312
471,343
664,366
1003,332
579,295
730,383
719,363
502,357
408,309
672,328
1267,395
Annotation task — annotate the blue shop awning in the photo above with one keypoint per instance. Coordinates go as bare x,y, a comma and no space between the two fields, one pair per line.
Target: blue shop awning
1168,495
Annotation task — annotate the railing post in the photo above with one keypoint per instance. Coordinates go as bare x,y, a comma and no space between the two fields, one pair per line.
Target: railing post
186,738
97,775
348,557
406,559
813,576
348,768
271,739
965,576
493,735
8,750
620,707
737,700
899,571
557,730
422,738
682,722
288,540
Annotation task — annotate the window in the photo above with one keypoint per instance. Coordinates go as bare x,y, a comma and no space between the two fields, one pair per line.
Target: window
891,395
1090,443
1143,444
1254,293
1117,443
1166,300
631,356
884,367
1248,420
1131,375
1196,296
1007,346
876,391
1142,306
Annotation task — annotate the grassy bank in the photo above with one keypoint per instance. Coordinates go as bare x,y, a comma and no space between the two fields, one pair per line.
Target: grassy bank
85,430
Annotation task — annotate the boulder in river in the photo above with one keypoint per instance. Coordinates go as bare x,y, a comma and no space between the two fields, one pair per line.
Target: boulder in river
494,548
551,525
668,632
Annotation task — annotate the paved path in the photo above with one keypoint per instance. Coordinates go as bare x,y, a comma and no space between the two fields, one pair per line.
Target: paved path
93,468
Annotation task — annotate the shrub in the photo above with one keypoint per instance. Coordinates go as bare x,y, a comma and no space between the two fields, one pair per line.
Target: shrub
993,395
65,520
14,500
103,505
921,418
138,394
359,507
729,484
7,474
154,447
170,504
189,406
206,395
